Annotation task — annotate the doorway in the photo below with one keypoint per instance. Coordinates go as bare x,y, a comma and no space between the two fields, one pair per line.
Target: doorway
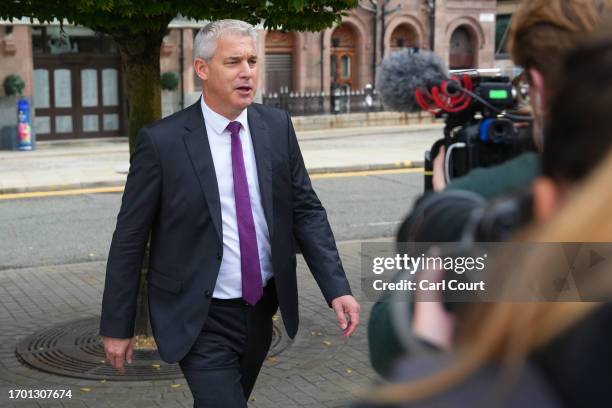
77,90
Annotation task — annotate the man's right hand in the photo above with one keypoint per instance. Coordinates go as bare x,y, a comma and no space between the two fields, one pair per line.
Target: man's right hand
118,351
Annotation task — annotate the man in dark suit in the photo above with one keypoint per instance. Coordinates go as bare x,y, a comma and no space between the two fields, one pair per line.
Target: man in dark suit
222,188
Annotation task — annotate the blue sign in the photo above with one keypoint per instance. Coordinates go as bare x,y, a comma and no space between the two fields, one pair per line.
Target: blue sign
24,126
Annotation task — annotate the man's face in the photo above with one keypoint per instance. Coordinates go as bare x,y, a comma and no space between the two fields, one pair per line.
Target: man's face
230,77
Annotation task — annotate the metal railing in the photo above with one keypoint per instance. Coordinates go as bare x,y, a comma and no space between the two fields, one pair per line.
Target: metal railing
318,103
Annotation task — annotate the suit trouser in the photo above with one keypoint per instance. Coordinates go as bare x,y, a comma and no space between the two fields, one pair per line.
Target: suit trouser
223,364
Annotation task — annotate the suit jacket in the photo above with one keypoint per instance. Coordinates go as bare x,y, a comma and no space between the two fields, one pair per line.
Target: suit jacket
171,192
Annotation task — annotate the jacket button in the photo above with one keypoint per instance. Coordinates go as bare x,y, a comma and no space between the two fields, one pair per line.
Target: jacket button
208,293
219,256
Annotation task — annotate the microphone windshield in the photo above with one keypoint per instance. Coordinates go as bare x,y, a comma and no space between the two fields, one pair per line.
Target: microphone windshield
403,72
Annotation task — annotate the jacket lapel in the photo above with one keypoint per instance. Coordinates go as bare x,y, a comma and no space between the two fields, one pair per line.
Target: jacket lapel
261,145
198,148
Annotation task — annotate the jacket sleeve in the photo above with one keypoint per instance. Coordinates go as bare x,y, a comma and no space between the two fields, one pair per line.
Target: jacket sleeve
312,230
384,346
138,208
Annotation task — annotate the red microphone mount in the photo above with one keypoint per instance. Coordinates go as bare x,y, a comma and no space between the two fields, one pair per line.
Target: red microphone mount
443,98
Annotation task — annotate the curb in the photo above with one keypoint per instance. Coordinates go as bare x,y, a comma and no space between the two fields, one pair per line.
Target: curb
407,164
61,187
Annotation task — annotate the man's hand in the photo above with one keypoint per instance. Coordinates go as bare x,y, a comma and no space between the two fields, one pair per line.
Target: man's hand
118,351
344,305
439,179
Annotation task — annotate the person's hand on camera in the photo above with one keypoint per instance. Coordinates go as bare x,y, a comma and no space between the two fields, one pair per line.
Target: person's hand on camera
431,321
118,351
438,178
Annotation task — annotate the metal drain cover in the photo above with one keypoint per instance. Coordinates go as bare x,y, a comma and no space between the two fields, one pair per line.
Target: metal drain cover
75,349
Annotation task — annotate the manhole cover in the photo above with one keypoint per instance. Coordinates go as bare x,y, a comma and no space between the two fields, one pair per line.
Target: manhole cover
75,349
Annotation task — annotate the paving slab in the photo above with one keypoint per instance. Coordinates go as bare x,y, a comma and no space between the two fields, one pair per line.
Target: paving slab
317,369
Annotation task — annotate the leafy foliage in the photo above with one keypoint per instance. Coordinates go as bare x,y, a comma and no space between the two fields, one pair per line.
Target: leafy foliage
137,15
169,80
13,85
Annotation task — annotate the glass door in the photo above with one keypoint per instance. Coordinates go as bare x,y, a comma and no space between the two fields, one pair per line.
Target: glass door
77,100
77,88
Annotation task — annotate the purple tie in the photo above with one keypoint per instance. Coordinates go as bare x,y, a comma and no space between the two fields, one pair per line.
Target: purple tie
252,289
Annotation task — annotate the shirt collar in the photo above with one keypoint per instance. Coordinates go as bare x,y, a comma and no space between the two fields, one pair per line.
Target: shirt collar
219,123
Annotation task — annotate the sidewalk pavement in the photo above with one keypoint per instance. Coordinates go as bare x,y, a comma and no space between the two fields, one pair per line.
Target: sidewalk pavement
317,370
90,163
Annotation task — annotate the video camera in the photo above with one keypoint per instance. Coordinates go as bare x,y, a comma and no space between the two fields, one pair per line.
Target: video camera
477,105
480,127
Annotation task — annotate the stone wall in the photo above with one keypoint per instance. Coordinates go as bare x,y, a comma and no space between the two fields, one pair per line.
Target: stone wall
16,56
478,16
8,111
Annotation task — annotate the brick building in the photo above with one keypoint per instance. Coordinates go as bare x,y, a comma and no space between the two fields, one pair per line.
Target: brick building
74,78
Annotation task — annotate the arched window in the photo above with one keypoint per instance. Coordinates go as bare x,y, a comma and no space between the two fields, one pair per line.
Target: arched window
404,36
342,57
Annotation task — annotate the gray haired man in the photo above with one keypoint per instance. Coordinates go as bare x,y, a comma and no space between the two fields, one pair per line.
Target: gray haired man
223,190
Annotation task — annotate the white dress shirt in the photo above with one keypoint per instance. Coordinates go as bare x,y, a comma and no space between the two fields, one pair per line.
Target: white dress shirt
229,281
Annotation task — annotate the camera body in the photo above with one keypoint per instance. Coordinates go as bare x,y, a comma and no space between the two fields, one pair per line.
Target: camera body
476,134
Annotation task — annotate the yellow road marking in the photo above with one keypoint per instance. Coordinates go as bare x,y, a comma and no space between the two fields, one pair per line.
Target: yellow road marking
119,189
366,173
35,194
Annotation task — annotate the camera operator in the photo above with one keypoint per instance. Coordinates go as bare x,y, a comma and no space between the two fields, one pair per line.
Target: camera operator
541,34
544,354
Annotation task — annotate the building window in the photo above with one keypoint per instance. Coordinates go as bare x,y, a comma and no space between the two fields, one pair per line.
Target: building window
502,26
333,68
404,36
343,52
346,66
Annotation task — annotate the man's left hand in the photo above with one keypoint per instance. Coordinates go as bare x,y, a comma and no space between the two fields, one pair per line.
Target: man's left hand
344,305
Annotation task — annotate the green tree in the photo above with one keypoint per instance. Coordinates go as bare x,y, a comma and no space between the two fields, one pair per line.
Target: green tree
139,26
